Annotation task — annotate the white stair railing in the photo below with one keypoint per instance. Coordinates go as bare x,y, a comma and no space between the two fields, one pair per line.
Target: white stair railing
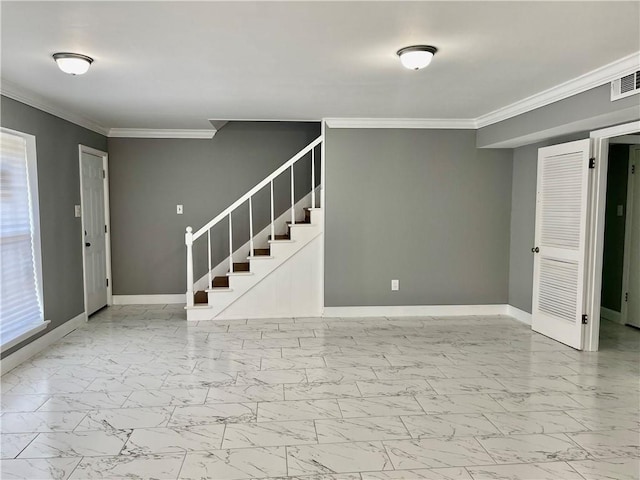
191,237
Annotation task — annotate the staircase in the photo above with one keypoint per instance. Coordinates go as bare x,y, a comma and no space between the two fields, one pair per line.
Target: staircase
281,275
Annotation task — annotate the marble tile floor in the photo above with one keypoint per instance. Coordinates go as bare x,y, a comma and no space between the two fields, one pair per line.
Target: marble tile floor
139,393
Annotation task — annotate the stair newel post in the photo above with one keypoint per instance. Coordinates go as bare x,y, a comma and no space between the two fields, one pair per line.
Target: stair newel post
230,245
273,227
188,240
293,201
250,227
313,177
209,257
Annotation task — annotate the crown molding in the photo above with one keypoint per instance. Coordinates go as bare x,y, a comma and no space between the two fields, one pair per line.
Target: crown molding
11,90
432,123
592,79
161,133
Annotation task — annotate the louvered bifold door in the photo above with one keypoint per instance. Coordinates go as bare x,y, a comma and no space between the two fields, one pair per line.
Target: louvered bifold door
560,242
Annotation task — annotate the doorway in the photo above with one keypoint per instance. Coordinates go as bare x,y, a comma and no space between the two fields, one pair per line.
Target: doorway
620,293
96,245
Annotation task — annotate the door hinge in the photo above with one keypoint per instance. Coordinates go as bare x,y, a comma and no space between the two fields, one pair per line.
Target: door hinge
105,229
626,296
107,282
104,174
585,319
592,162
633,169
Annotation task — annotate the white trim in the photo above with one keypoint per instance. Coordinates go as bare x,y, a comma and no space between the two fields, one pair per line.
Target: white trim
626,140
107,220
518,314
616,131
612,315
39,344
600,150
161,133
431,123
35,328
11,90
148,299
592,79
415,310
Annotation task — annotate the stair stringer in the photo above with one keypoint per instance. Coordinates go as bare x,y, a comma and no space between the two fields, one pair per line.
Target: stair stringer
242,282
292,289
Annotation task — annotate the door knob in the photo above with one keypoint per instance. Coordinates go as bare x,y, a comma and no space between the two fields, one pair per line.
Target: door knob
87,244
535,250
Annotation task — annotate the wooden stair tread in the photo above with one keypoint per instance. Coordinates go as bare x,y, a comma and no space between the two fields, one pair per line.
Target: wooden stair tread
257,252
241,267
200,297
281,237
221,282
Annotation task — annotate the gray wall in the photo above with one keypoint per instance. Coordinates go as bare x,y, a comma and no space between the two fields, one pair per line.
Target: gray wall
149,177
589,110
422,206
59,190
523,215
613,258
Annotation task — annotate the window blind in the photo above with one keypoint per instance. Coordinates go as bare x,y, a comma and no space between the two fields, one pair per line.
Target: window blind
20,303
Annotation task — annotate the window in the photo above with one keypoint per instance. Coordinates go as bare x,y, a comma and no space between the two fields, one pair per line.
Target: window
21,312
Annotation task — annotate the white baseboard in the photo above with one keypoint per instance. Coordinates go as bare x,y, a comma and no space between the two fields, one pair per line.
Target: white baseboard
520,315
149,299
25,353
611,315
415,310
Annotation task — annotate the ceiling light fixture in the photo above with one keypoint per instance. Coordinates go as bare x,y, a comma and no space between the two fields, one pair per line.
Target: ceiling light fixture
73,63
416,56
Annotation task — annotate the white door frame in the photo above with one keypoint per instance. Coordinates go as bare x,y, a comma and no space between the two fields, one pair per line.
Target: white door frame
107,220
598,201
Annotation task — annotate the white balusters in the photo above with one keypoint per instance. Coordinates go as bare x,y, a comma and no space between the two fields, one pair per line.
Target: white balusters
188,240
230,245
313,178
210,283
273,227
293,200
250,228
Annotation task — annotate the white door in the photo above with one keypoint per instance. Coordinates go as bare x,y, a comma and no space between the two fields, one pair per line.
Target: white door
633,289
93,223
560,242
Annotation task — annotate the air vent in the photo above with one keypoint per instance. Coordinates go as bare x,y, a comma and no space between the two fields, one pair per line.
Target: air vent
625,86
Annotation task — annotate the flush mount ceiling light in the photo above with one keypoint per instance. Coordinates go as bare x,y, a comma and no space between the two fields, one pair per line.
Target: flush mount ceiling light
73,63
416,56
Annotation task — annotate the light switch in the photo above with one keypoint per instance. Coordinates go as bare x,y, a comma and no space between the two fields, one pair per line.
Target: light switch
179,209
395,285
77,211
620,210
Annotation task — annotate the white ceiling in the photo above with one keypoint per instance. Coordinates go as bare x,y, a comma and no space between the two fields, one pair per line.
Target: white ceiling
173,65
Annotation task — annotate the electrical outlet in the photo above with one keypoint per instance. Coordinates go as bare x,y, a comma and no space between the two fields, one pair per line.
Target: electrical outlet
179,209
395,285
77,211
